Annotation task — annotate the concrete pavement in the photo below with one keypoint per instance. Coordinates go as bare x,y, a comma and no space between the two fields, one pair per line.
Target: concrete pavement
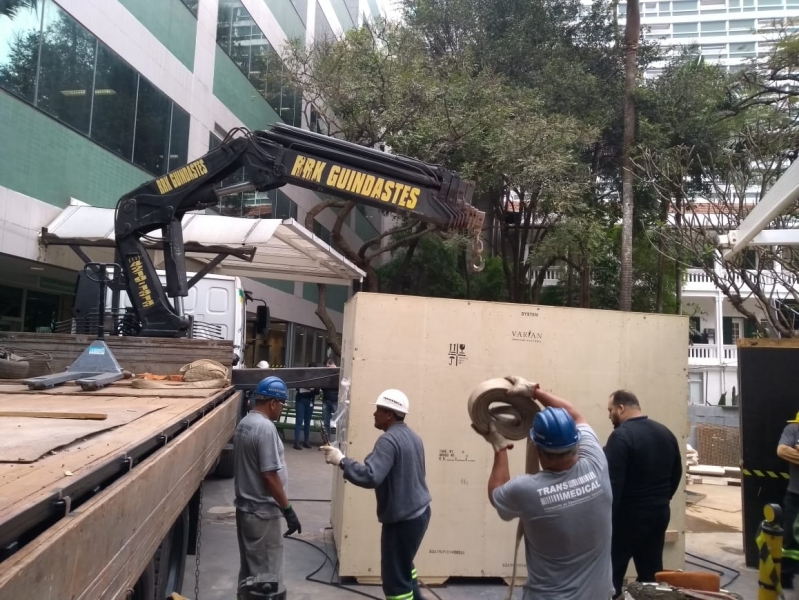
310,490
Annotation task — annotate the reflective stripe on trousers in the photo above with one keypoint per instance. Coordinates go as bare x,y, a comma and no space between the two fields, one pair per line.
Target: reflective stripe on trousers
409,595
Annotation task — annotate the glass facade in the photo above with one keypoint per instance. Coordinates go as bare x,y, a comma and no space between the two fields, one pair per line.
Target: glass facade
191,5
52,62
244,42
310,346
322,28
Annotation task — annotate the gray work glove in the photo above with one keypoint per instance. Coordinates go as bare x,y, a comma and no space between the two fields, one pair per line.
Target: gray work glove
493,437
521,387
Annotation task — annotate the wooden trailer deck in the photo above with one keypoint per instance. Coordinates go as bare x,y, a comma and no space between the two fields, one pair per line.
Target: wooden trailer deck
149,454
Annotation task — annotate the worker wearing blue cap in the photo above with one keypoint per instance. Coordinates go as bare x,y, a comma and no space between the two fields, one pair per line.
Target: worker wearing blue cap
565,509
261,489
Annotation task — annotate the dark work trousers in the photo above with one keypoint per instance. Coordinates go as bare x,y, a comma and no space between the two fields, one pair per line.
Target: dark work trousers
302,420
790,547
638,534
260,548
328,410
399,543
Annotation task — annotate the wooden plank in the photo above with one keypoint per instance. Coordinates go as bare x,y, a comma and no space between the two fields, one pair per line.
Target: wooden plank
53,415
125,522
161,356
25,439
121,390
23,484
779,343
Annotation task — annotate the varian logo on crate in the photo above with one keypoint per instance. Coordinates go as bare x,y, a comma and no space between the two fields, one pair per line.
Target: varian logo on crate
457,354
526,336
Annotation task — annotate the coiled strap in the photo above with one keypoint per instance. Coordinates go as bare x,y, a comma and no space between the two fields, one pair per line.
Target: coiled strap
513,417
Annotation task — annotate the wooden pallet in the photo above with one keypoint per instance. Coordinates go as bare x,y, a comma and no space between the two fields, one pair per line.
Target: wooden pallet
160,356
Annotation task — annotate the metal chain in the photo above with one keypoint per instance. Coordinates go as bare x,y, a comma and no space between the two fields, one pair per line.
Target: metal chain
199,544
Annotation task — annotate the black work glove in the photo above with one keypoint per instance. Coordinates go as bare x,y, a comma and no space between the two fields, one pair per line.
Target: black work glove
292,521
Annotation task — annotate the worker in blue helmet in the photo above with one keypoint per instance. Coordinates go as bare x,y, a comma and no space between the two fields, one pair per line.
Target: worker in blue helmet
565,508
261,490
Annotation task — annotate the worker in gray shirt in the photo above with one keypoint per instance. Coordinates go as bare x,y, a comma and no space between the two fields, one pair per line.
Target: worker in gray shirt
565,509
261,489
396,471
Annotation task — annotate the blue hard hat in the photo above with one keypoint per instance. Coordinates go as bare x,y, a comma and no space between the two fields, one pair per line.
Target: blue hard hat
554,430
272,387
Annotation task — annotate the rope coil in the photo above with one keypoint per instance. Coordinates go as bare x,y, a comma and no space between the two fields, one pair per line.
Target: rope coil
513,416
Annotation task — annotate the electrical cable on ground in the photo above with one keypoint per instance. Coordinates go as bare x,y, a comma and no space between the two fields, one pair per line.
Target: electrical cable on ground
726,568
331,583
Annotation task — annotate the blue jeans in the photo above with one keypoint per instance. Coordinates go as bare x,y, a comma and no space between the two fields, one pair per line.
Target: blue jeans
302,421
328,410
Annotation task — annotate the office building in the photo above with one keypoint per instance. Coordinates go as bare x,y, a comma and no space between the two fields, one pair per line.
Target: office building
99,96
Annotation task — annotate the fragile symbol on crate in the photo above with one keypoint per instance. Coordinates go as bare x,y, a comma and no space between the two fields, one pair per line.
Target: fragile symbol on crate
451,456
457,354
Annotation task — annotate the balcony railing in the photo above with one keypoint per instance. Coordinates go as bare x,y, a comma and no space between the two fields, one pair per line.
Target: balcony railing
708,354
698,280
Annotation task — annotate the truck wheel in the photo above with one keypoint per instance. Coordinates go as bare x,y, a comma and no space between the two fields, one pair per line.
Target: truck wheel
144,587
169,562
225,467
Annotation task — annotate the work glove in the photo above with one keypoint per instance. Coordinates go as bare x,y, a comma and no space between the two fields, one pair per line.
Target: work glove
333,456
521,387
292,521
495,438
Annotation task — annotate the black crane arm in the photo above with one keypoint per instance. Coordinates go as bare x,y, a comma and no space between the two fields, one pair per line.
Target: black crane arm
272,159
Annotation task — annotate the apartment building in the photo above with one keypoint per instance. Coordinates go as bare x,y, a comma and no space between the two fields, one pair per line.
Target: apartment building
727,32
99,96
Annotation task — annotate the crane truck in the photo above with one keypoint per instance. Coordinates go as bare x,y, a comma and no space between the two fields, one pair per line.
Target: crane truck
101,491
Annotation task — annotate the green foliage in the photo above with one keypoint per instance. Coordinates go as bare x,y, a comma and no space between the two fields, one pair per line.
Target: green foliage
437,269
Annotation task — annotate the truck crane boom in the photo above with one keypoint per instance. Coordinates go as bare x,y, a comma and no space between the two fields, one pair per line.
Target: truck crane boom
271,159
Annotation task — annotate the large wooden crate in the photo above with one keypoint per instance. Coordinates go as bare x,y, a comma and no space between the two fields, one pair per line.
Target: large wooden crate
160,356
436,351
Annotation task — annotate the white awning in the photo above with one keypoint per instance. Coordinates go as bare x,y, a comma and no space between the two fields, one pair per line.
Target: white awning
283,248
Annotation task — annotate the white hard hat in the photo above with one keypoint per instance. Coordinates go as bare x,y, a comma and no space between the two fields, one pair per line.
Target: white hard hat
263,365
394,400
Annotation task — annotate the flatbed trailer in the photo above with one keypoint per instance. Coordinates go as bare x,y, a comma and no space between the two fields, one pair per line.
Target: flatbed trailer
95,508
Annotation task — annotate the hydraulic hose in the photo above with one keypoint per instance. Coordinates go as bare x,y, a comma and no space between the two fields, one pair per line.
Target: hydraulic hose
512,415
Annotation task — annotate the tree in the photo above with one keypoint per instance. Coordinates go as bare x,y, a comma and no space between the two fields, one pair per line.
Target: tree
716,162
632,32
687,107
11,8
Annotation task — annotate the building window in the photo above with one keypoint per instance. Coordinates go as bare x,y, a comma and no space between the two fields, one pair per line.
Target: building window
714,28
696,388
684,7
53,63
745,50
246,45
685,30
310,346
322,232
742,26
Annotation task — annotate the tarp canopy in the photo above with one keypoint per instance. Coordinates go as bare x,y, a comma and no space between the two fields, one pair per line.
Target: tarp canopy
283,248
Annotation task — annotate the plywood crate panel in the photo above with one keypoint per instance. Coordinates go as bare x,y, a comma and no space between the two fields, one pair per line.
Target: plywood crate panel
437,351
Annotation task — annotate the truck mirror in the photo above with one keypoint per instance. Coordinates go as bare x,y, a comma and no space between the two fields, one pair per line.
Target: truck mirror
261,318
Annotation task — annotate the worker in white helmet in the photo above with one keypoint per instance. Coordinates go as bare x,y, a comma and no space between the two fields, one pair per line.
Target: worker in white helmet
396,470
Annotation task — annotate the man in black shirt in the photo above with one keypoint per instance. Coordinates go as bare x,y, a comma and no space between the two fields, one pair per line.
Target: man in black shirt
645,468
